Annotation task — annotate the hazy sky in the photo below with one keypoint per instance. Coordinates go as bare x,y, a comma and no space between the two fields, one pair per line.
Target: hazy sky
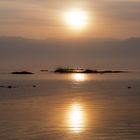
44,18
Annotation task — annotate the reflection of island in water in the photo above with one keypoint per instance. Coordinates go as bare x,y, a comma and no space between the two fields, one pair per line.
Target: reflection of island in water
69,70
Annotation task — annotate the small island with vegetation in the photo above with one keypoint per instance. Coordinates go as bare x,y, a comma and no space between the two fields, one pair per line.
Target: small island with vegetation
69,70
21,72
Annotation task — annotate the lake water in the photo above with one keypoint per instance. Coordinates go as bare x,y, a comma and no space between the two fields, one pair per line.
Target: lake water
70,107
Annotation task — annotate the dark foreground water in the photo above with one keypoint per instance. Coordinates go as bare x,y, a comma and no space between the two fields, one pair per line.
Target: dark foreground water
70,107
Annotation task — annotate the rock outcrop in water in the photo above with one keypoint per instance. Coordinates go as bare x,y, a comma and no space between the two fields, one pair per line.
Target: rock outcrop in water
22,72
44,70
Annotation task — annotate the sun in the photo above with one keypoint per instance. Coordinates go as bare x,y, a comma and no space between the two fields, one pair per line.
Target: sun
76,18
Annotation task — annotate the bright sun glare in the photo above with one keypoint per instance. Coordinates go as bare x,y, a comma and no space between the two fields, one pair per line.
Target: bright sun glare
76,18
79,77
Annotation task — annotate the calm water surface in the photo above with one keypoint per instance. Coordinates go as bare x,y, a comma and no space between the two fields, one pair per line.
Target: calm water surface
71,106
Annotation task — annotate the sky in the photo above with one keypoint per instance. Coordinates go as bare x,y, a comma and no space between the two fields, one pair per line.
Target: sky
40,19
35,34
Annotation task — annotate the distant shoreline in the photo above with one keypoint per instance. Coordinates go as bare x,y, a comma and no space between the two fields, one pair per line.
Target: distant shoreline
70,70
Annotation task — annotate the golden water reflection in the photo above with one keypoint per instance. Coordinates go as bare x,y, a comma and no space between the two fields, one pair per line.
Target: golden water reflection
79,77
76,118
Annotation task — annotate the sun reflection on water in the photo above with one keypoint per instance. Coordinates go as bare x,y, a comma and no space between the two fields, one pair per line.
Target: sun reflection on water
79,77
76,118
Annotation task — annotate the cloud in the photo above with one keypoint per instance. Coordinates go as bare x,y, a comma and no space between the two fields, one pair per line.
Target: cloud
95,53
